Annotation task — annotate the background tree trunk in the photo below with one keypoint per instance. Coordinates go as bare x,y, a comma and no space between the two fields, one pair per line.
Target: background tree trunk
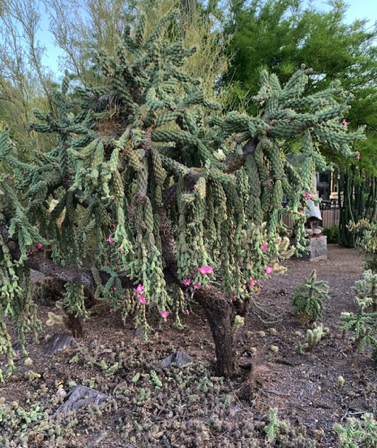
188,10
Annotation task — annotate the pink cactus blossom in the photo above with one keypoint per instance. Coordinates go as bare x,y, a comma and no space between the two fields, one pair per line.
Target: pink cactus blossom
164,314
187,281
187,312
264,247
206,270
251,284
269,270
39,246
197,285
140,288
142,300
114,288
111,241
18,353
234,296
345,124
308,196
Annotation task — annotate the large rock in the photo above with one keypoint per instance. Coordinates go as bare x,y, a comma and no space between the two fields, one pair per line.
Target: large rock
179,358
60,341
80,397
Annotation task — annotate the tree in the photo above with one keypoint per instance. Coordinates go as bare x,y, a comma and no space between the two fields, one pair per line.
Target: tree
279,36
24,83
159,200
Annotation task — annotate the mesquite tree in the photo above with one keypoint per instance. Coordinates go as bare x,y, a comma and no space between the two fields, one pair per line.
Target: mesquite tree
153,198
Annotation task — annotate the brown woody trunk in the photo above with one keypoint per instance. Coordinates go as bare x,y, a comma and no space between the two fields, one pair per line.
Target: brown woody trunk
219,314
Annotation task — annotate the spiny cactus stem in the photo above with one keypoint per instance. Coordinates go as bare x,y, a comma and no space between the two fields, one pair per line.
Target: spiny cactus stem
236,161
233,163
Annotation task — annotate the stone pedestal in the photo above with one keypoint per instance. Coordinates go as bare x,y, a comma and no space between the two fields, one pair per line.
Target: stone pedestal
318,246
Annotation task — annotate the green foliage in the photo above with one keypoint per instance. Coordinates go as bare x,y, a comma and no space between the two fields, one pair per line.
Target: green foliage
314,336
362,324
332,233
358,433
156,379
280,36
274,426
367,288
123,146
308,299
357,202
367,241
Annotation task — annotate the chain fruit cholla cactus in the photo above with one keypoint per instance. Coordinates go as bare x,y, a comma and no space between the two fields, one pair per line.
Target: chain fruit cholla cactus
165,191
362,324
366,288
308,299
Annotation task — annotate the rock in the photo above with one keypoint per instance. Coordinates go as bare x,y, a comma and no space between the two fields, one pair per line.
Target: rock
180,358
61,393
80,397
60,341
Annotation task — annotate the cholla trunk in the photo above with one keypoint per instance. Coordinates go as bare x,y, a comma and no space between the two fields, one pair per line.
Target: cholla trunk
219,315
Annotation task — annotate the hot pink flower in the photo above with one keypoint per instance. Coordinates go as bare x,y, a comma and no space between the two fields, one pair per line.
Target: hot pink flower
234,296
197,285
206,270
187,281
142,300
269,270
345,124
187,312
18,353
164,314
114,288
39,246
139,289
111,241
251,284
264,247
301,211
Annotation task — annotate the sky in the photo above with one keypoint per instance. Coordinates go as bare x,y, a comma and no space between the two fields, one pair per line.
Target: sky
358,9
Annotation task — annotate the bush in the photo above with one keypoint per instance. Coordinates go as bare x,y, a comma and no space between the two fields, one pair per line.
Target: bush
332,233
308,299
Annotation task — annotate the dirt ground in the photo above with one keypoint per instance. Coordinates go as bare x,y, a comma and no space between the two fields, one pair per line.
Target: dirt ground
189,407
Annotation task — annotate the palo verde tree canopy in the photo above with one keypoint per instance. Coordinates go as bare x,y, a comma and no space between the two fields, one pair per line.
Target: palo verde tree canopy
152,197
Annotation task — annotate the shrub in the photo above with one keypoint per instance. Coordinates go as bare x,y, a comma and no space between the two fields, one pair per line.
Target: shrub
308,299
333,234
